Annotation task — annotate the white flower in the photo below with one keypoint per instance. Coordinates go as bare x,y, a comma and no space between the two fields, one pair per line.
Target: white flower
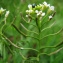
27,11
30,6
40,11
30,11
50,17
52,8
45,3
36,11
48,5
7,13
2,10
43,14
26,15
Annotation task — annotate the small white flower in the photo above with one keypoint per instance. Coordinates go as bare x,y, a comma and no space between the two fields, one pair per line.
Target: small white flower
30,11
50,17
40,11
52,8
48,5
43,14
7,13
27,11
30,6
36,11
26,15
2,10
45,3
38,14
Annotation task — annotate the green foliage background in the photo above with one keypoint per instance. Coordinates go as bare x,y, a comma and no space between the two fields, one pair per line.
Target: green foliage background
10,54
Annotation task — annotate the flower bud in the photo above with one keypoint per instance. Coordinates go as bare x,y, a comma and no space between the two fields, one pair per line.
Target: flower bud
7,13
2,10
50,10
30,7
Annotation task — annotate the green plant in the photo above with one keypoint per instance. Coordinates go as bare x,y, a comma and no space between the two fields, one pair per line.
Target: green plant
40,20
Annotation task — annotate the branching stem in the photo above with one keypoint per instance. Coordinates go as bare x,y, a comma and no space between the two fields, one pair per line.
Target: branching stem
22,32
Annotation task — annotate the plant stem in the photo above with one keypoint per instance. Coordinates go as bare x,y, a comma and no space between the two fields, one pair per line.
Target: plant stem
39,36
39,29
23,33
39,39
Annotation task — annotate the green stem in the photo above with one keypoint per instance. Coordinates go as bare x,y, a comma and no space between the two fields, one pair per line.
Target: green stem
55,46
38,23
23,33
49,54
27,29
4,21
52,34
39,40
16,45
27,22
39,34
23,56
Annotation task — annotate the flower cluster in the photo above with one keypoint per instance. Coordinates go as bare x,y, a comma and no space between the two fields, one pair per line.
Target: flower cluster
3,11
39,11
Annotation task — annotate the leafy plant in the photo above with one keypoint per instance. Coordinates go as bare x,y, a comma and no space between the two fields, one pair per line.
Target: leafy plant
37,36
